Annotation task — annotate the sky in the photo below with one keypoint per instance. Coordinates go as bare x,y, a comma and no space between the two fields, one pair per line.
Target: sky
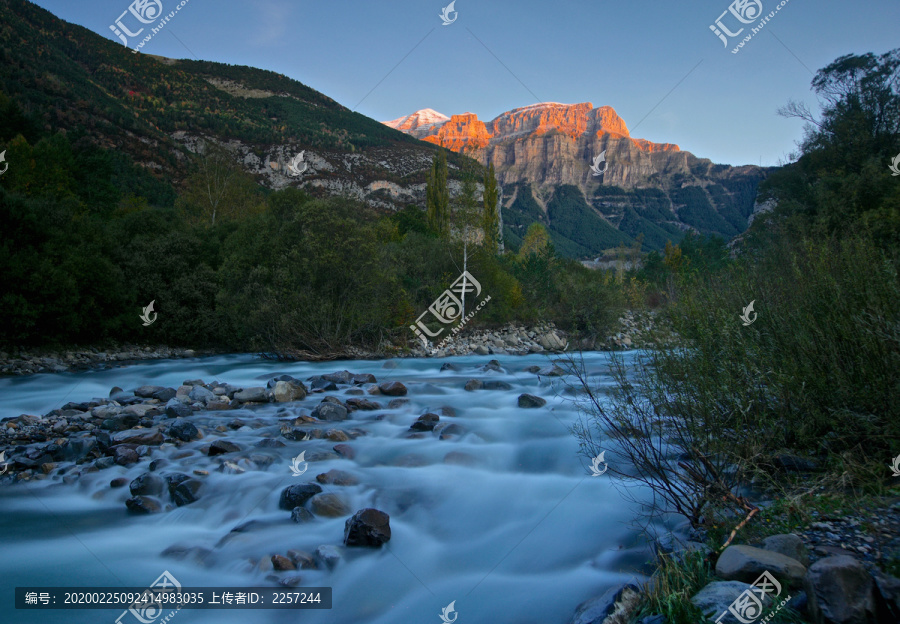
656,63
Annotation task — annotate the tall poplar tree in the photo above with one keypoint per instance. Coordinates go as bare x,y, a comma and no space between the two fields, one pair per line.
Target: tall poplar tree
437,196
491,219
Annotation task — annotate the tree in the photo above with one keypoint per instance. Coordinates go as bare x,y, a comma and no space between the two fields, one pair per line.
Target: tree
437,196
465,219
217,184
491,217
537,241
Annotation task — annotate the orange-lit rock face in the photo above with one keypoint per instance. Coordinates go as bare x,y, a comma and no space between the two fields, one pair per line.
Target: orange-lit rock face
462,133
550,144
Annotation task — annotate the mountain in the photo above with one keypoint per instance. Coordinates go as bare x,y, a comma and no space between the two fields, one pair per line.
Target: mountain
543,155
158,110
420,123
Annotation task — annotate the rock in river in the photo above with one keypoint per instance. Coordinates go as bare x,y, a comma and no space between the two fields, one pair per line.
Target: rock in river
367,527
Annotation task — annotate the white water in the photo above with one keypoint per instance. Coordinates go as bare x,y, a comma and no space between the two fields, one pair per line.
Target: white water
522,537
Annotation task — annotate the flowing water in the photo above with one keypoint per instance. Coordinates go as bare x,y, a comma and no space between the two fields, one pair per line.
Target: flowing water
520,533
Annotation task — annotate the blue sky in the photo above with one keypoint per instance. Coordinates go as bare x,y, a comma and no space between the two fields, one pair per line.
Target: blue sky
634,55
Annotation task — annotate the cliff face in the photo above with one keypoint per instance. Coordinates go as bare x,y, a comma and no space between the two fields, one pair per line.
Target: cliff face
543,154
550,145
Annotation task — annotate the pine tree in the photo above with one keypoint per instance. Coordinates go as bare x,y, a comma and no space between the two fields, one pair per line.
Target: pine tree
491,220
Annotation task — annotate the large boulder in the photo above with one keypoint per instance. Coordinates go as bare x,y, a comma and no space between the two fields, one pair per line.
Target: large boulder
286,391
746,563
597,609
840,591
297,495
367,527
714,600
789,545
529,400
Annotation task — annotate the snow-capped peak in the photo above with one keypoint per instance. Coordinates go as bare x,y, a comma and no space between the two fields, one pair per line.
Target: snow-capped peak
418,122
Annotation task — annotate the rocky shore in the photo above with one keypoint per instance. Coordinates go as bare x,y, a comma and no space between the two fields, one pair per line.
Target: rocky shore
29,361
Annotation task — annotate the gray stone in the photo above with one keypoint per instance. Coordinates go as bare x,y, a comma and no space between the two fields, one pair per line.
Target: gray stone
326,410
200,394
597,609
788,545
496,385
286,391
840,591
328,556
474,384
149,437
252,395
177,409
714,600
746,563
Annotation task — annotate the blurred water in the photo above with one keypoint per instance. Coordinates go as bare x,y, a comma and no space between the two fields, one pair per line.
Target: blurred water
522,536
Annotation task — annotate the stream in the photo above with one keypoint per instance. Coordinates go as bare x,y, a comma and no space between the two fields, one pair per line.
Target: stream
503,520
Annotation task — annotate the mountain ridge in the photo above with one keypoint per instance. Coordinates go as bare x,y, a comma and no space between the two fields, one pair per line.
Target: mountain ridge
545,150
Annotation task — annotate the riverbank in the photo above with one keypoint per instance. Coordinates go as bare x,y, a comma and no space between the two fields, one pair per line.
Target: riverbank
635,330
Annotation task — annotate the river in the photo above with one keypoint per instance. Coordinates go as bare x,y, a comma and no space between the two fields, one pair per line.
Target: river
519,532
